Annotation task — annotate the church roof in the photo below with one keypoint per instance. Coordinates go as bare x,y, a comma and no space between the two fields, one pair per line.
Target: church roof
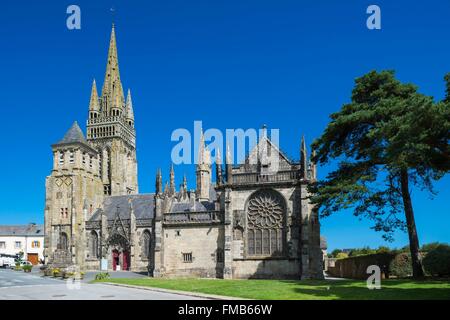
198,206
143,207
73,135
263,143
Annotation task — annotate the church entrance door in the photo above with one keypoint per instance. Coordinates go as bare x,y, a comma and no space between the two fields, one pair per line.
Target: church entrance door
115,259
126,260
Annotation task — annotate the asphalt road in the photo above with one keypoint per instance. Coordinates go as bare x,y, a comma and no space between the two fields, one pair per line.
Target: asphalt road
18,285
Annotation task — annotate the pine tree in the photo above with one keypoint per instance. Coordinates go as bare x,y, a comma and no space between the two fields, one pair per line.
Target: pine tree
386,140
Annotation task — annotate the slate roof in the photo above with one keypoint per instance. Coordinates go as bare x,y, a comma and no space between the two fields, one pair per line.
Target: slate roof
73,135
143,206
22,230
197,206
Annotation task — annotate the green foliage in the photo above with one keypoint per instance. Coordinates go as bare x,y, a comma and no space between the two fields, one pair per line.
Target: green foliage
20,257
429,246
383,249
447,90
335,252
56,272
437,261
401,265
404,249
102,276
27,268
341,255
387,131
360,252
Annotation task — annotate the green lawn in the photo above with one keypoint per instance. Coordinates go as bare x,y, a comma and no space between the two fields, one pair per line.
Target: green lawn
299,290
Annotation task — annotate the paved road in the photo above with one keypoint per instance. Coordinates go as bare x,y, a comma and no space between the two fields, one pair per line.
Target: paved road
17,285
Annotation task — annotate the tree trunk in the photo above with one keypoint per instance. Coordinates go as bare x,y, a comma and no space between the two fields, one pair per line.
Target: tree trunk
411,224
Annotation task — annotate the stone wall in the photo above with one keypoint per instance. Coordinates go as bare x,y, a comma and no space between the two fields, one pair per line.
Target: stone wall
286,267
202,241
139,262
356,267
92,264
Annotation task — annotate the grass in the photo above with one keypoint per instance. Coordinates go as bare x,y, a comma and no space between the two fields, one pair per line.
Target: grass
301,290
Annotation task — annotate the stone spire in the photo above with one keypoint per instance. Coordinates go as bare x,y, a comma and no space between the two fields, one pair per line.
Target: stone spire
112,91
94,106
218,168
303,160
229,166
172,181
129,108
203,172
183,188
201,148
166,188
158,184
184,182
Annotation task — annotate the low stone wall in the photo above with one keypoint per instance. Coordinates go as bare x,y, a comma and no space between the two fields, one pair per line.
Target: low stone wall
356,267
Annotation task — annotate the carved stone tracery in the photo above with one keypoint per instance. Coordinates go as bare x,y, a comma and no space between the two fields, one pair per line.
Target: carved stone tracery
265,224
265,211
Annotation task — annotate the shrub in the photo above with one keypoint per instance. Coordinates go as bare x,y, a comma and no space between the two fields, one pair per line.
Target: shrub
341,255
56,272
361,252
335,252
48,272
27,268
430,246
437,261
102,276
383,249
401,265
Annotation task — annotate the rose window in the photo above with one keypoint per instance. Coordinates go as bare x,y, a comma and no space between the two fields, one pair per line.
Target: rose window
265,211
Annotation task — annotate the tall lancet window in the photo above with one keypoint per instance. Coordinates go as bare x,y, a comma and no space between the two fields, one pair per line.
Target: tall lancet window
63,241
146,245
93,244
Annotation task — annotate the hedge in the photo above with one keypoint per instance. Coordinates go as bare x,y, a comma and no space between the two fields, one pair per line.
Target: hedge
437,261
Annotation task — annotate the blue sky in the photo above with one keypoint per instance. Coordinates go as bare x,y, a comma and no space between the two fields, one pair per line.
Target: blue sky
230,64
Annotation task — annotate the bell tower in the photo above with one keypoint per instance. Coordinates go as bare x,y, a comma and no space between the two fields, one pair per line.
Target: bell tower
110,129
73,191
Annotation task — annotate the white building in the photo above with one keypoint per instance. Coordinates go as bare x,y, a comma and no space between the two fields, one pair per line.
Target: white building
28,239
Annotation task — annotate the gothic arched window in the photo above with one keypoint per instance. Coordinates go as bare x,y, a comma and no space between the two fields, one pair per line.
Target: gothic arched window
265,224
93,244
63,242
146,244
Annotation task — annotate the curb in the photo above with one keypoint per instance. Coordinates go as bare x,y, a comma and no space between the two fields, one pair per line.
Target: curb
179,292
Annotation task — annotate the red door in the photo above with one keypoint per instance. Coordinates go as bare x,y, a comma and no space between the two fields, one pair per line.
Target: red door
115,259
126,260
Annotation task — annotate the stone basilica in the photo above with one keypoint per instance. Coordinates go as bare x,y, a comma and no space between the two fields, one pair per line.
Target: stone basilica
246,224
